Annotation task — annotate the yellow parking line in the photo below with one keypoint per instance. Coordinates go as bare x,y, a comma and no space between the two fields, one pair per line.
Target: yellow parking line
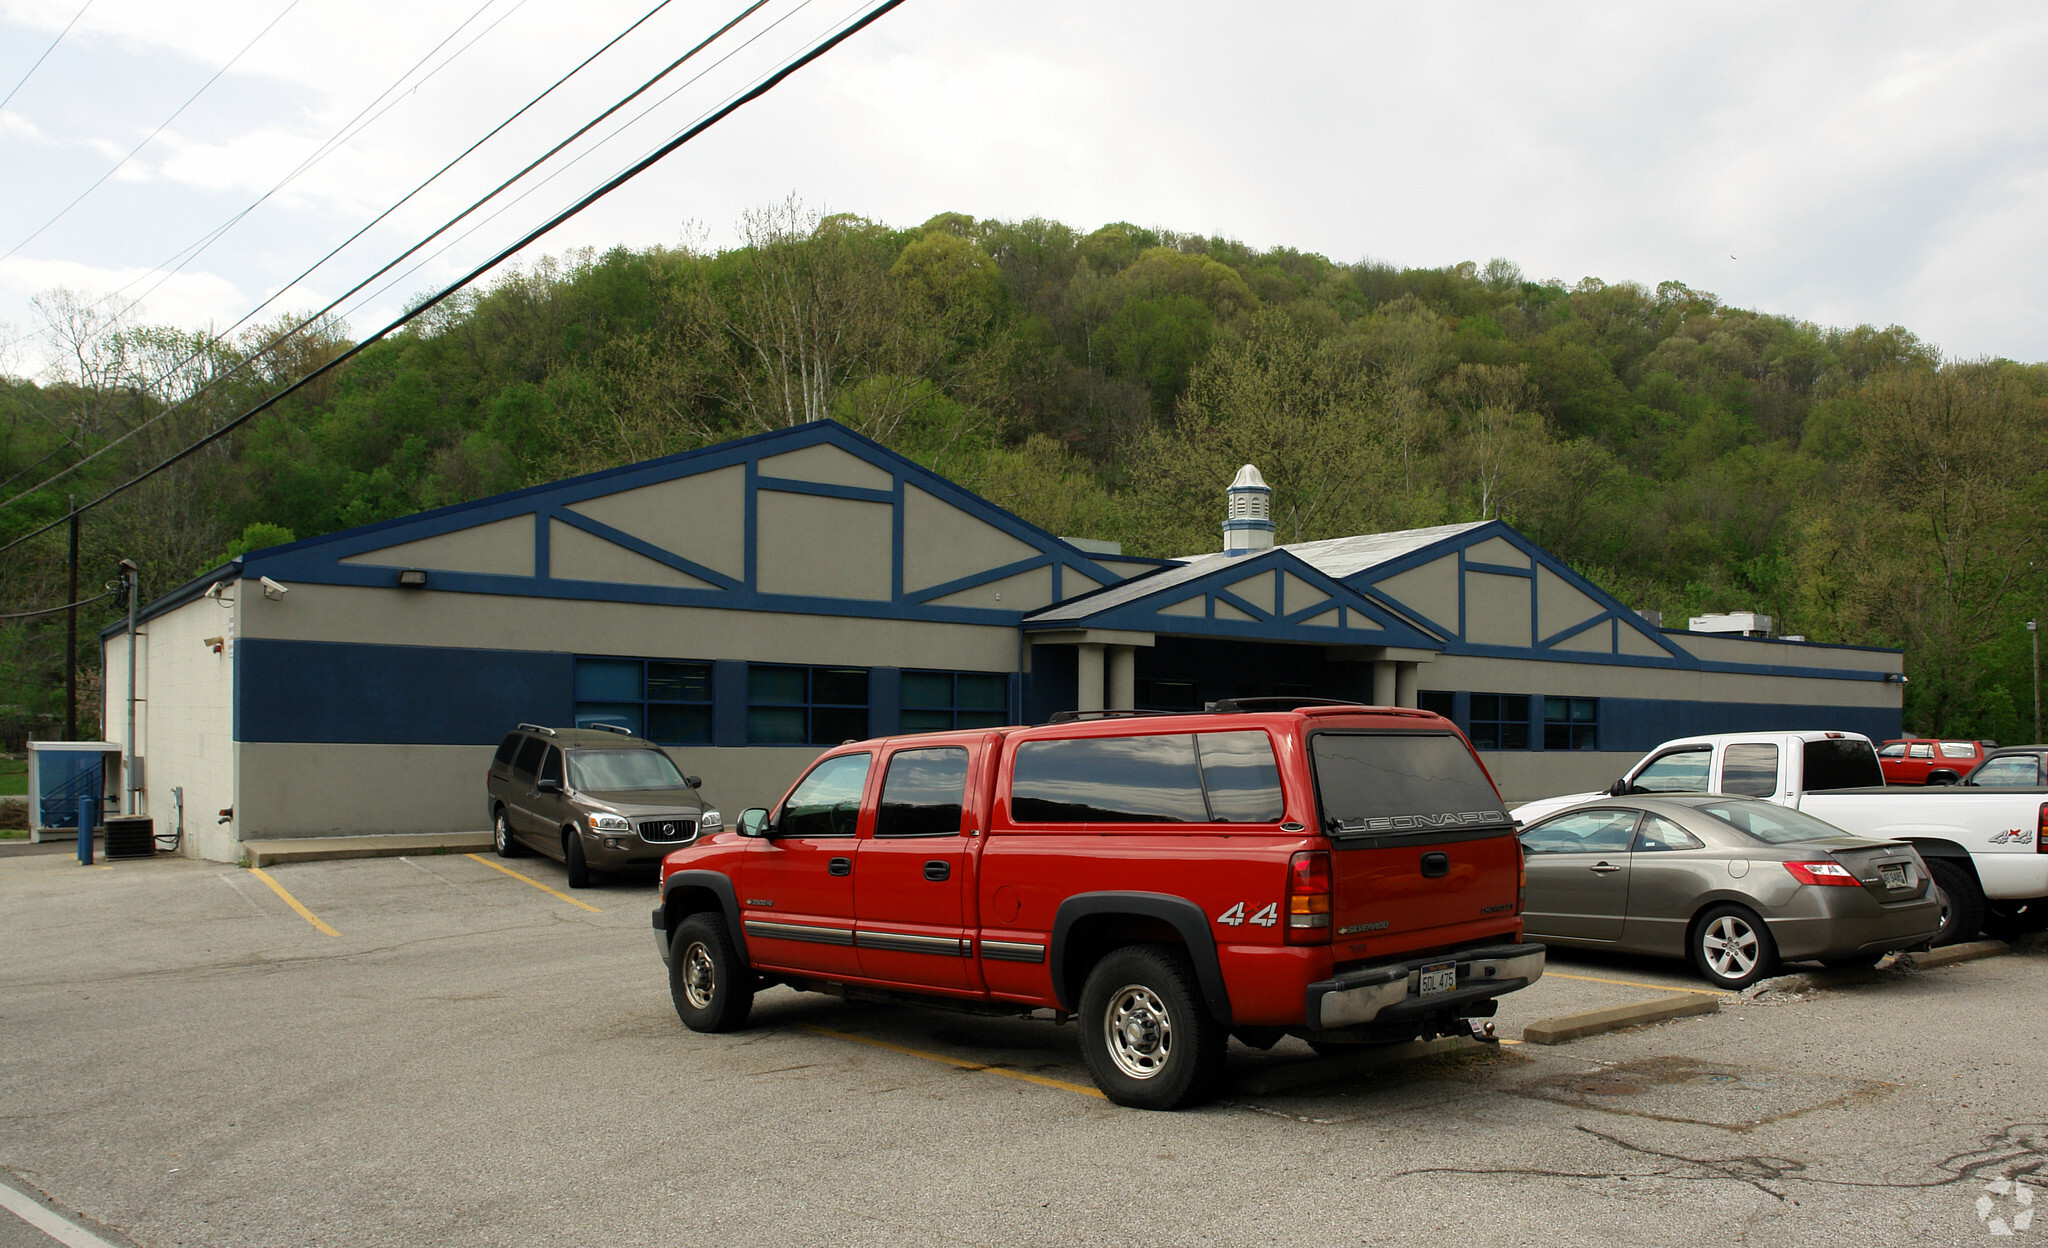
292,901
1636,983
536,883
959,1062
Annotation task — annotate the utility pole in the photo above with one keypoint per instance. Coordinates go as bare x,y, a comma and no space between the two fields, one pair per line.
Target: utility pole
71,632
128,574
2034,634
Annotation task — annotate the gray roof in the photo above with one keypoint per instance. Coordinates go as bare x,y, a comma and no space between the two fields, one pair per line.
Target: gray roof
1128,591
1341,557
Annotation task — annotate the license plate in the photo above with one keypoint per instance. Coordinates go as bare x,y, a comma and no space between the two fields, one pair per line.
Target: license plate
1439,978
1893,874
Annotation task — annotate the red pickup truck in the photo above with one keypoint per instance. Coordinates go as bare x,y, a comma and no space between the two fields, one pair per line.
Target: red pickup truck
1342,873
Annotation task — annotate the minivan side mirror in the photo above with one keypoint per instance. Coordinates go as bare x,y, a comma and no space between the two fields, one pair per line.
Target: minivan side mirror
1620,788
753,822
694,782
549,786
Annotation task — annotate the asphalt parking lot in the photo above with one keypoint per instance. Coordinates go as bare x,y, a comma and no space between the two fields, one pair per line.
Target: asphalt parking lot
476,1058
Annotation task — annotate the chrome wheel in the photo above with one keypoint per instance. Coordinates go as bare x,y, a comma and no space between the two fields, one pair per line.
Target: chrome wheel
1731,946
1139,1031
501,836
700,977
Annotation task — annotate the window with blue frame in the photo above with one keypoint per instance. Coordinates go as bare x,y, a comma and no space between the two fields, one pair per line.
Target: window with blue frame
1440,701
1500,721
1571,723
667,702
933,701
806,705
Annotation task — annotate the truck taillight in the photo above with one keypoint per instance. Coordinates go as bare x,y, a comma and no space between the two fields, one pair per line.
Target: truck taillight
1521,878
1308,898
2041,830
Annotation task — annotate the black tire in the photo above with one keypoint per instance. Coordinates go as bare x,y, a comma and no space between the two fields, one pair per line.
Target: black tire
1148,1037
502,840
2009,920
1731,947
572,858
1962,902
713,990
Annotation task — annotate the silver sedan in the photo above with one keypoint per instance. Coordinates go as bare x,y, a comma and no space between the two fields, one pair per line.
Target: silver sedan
1738,886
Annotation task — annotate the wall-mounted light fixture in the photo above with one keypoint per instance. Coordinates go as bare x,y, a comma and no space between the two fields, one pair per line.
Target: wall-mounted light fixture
412,578
1895,678
214,644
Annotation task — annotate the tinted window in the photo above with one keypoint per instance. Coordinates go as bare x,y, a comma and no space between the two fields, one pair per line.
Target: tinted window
528,761
827,802
1658,834
1240,777
507,748
1107,780
2013,771
603,771
923,793
1681,771
1773,825
552,768
1583,832
1896,749
1841,764
1750,770
1375,783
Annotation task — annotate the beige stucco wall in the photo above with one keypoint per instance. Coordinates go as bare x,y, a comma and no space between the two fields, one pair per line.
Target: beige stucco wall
184,719
1524,776
346,613
1598,680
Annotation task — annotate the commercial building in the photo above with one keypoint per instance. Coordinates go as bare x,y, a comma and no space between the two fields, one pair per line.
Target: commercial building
753,602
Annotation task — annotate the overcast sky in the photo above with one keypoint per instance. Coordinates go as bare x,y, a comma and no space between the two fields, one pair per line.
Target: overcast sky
1839,163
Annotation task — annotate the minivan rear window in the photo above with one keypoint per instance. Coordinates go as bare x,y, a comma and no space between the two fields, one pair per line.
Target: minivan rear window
1842,764
1381,783
1212,777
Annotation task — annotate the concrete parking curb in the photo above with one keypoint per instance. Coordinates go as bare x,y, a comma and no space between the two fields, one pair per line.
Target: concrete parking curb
329,848
1328,1069
1615,1017
1948,955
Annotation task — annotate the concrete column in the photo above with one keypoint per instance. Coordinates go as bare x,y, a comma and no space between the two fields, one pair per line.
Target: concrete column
1088,679
1405,681
1123,677
1383,684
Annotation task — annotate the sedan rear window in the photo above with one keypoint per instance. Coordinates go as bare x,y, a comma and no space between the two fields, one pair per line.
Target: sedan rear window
1373,784
1773,825
604,771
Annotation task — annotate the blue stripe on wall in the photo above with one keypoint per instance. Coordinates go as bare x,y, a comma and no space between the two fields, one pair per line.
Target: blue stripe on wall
317,691
1642,723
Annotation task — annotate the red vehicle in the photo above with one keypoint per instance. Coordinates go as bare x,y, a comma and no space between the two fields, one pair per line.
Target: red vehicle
1922,760
1342,873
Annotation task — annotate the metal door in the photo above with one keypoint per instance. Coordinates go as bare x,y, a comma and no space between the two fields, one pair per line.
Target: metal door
796,886
1578,875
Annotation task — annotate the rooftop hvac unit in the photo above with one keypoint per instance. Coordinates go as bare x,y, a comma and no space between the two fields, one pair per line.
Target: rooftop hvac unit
1736,623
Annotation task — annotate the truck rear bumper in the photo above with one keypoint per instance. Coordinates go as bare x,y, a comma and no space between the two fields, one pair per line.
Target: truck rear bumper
1392,992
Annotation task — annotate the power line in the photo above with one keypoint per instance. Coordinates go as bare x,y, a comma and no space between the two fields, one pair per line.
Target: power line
293,4
46,53
39,463
372,223
82,602
618,180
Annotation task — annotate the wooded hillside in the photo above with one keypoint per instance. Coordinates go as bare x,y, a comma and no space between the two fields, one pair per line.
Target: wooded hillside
1687,456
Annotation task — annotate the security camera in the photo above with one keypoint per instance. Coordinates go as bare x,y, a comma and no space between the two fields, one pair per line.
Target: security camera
271,589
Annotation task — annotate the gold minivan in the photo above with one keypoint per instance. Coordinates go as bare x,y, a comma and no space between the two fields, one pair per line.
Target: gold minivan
596,798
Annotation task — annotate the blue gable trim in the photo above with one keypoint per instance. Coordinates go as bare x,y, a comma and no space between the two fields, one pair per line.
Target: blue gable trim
1143,614
318,560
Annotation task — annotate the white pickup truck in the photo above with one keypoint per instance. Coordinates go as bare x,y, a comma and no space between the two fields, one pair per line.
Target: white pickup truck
1983,846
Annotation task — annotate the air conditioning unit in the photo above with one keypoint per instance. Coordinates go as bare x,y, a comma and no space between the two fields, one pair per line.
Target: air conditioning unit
1735,623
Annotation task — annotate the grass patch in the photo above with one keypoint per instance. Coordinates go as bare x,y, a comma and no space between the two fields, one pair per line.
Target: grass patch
13,777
